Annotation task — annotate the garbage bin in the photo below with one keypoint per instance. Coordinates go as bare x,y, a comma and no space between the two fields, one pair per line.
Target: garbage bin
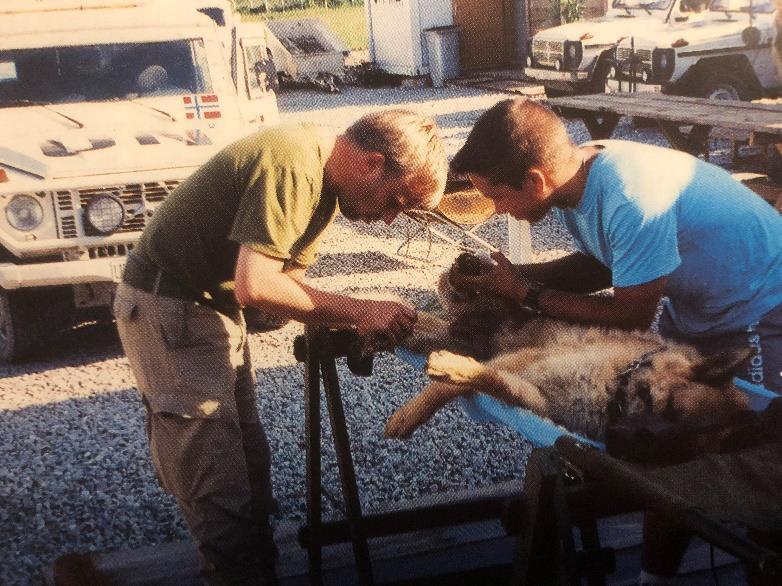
442,45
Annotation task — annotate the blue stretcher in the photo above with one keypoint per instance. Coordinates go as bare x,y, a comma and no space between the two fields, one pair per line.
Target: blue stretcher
543,432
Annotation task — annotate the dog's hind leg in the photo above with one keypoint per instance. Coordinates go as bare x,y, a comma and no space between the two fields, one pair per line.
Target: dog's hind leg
420,408
465,371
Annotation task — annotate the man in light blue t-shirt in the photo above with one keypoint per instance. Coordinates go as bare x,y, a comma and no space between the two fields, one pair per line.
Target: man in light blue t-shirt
654,224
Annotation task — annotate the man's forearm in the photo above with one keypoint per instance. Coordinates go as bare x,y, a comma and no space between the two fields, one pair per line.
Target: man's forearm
576,273
595,310
288,297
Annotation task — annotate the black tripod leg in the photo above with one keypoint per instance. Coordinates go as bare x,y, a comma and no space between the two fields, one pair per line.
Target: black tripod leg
346,471
312,432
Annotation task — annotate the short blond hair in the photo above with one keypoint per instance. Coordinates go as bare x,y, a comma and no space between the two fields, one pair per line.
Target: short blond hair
413,150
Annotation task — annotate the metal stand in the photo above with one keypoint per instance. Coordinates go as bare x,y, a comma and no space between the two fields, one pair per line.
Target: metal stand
320,352
545,549
318,349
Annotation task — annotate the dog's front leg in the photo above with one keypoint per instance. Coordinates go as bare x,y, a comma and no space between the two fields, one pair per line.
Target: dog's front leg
420,408
486,378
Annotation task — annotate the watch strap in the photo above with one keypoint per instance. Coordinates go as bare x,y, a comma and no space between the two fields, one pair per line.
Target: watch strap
532,298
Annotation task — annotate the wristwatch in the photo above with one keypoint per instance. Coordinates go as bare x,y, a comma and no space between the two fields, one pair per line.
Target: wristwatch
532,297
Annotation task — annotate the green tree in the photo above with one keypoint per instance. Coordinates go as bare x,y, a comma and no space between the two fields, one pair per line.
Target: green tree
571,10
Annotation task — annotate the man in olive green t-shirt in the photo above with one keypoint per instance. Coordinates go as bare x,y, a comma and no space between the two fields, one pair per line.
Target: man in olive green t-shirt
240,232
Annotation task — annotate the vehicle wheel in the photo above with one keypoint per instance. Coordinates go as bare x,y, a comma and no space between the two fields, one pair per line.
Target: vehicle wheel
725,86
262,321
21,330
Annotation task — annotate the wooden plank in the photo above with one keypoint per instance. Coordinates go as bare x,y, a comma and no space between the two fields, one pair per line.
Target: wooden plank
751,117
407,556
513,86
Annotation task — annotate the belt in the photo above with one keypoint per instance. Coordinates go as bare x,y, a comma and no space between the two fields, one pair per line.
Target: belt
152,279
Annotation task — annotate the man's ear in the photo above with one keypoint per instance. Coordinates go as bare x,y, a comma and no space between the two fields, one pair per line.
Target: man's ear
718,369
540,181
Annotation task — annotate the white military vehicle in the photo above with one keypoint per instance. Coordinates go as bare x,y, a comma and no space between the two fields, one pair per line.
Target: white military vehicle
576,57
105,107
727,55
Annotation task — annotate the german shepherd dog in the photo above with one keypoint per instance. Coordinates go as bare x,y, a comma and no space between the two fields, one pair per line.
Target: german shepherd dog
583,378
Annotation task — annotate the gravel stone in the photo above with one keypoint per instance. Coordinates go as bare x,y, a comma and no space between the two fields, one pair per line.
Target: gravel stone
75,473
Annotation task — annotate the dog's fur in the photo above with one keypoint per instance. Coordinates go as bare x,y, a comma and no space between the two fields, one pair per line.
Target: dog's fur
567,373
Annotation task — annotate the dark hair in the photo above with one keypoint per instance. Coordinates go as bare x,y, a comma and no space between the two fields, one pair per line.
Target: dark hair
508,139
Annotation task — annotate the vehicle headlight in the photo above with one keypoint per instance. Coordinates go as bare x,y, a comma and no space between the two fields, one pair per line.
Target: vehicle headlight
24,213
574,51
612,73
105,213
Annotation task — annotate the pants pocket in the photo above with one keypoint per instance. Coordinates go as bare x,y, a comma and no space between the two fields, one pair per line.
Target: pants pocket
202,350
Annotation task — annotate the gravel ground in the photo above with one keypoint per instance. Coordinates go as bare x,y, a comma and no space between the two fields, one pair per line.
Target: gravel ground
74,468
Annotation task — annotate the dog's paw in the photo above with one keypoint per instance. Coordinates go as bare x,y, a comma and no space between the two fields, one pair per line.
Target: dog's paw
400,425
453,368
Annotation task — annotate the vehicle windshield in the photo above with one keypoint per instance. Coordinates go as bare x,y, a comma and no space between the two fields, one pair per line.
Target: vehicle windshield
641,4
760,6
57,75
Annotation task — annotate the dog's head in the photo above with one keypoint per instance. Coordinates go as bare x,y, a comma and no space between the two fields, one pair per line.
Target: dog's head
679,385
476,319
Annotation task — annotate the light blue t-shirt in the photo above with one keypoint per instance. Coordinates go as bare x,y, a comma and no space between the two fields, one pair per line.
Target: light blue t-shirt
649,211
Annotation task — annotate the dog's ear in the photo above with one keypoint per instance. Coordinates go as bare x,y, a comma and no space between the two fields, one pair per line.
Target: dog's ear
718,369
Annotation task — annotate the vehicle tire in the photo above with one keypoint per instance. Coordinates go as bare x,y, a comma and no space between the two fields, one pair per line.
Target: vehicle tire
262,321
724,85
21,330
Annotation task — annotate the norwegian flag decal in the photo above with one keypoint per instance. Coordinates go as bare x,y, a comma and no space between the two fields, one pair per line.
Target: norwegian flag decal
205,106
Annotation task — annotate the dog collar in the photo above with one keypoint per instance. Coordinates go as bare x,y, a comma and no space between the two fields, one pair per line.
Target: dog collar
617,405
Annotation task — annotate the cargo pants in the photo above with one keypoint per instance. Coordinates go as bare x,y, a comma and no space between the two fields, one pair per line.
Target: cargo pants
208,447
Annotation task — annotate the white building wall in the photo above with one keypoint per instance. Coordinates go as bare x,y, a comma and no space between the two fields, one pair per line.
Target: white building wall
396,32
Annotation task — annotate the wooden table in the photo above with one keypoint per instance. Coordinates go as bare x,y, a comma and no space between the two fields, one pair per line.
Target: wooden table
601,114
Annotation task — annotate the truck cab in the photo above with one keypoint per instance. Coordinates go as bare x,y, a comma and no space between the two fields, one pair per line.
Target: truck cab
727,55
105,107
576,57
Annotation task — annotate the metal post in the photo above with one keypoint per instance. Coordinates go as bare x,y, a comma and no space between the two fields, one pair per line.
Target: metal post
312,434
345,462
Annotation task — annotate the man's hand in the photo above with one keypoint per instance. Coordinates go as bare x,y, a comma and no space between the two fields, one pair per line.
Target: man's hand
502,280
390,319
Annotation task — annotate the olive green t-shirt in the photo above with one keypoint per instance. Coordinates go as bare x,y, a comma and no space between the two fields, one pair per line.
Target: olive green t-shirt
264,191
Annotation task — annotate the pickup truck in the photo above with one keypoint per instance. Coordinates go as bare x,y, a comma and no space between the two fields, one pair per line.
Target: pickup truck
576,57
105,107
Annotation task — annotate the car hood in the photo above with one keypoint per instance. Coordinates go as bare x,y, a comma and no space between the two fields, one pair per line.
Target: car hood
701,34
88,139
602,31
